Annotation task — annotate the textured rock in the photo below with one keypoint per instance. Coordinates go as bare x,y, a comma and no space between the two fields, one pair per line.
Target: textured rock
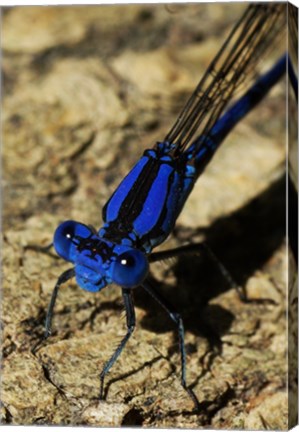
86,90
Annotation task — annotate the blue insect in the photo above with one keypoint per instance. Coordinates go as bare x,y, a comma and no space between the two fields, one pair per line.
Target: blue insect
143,210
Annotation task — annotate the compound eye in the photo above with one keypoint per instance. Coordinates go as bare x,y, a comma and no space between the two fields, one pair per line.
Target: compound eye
65,241
130,269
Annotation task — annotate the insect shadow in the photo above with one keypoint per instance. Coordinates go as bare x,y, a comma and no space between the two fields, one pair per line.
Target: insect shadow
243,242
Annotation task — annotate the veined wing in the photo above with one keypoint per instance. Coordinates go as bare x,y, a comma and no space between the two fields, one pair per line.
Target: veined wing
234,65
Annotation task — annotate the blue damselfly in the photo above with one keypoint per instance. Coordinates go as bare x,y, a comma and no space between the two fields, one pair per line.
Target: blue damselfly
143,210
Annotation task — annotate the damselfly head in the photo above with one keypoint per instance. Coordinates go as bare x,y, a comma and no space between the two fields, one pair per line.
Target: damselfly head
67,237
97,260
130,268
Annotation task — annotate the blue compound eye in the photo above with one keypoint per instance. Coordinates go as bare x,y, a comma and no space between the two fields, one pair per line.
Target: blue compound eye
65,238
130,269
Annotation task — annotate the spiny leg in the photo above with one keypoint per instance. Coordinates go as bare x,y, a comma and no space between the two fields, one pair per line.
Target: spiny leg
226,274
42,249
64,277
130,317
195,249
175,316
241,290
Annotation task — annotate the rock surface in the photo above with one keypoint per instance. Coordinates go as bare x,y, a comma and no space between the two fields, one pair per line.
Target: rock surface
86,90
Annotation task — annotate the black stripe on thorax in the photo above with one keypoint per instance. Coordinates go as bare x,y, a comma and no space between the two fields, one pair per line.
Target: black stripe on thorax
133,203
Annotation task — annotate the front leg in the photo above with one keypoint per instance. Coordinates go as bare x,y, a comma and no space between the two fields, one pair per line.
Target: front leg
64,277
42,249
130,316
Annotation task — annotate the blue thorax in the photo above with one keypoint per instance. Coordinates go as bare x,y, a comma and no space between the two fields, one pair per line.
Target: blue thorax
140,215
